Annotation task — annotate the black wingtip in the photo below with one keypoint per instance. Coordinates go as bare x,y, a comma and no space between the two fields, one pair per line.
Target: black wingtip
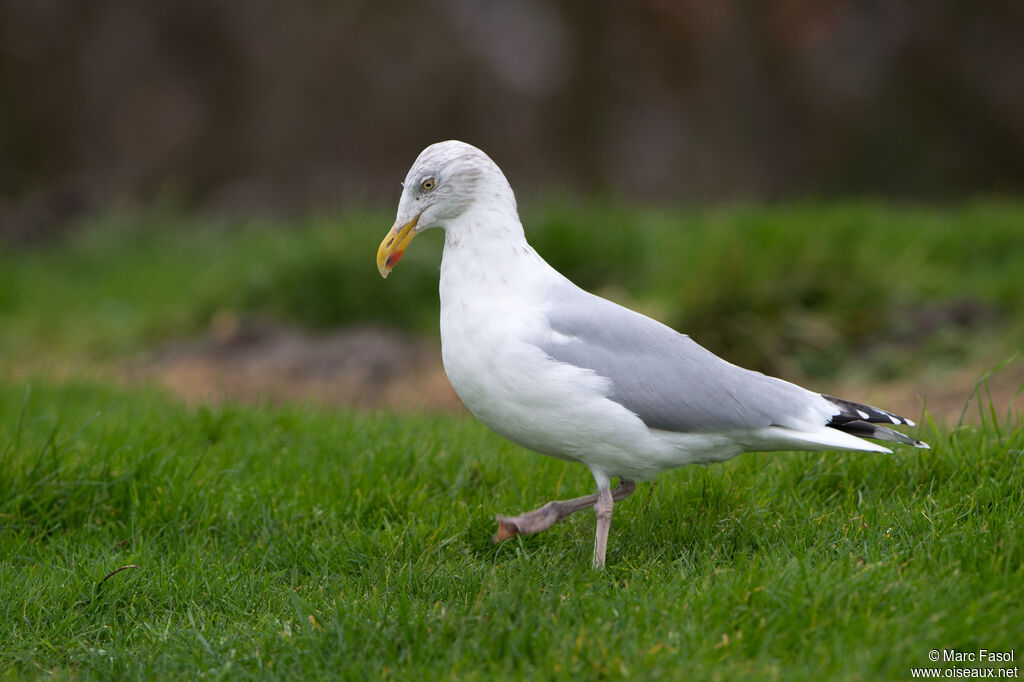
850,411
865,421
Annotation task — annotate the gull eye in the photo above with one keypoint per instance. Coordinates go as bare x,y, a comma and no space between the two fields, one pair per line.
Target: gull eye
427,184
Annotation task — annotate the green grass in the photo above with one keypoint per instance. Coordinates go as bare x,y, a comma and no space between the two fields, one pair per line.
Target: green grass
306,543
891,288
301,542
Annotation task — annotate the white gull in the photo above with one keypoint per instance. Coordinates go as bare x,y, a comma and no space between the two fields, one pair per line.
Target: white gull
572,375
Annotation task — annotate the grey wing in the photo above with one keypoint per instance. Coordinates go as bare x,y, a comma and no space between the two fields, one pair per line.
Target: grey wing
665,377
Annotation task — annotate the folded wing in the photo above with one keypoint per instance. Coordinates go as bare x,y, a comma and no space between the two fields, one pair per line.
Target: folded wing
673,384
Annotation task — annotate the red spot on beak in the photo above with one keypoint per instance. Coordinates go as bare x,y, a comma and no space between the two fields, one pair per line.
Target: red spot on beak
394,258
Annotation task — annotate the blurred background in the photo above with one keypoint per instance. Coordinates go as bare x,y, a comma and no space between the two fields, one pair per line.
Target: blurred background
222,112
263,104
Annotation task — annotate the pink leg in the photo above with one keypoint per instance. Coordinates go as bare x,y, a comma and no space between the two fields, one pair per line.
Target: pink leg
553,512
603,509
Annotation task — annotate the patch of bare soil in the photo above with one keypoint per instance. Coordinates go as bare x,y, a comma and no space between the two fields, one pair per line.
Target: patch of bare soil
375,368
946,397
365,367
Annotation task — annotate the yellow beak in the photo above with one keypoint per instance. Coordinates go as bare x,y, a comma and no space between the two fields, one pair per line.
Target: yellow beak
394,245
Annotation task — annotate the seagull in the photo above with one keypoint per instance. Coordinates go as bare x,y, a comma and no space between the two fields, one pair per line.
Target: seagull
568,374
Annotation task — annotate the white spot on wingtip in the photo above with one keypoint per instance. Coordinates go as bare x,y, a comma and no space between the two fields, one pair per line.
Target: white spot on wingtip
863,414
921,444
910,422
894,420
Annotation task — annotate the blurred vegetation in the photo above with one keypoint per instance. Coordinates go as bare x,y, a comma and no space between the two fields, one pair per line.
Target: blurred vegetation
233,105
787,289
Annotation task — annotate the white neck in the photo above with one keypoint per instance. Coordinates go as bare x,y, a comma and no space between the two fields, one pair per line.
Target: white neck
485,249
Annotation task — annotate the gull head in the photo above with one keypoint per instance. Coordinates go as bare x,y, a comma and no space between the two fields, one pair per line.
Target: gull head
446,180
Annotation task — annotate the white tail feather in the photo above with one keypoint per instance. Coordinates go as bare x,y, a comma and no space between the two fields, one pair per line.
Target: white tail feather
782,438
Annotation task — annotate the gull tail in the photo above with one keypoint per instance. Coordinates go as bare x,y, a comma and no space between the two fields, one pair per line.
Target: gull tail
863,421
